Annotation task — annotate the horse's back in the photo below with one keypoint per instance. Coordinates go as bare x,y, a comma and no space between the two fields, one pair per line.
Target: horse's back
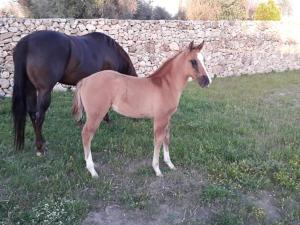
50,43
123,93
104,78
99,47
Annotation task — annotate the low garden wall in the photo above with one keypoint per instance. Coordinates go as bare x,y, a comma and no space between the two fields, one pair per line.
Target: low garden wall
232,47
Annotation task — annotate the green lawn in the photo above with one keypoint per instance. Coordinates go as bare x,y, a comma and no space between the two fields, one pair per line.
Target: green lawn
236,146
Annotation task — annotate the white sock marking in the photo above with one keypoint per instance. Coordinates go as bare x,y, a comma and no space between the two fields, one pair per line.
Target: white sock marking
167,158
90,165
155,163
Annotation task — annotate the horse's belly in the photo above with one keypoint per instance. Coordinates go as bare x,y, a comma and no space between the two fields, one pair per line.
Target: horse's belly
130,111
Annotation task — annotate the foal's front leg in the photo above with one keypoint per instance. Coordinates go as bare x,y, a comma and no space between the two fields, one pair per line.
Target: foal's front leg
160,132
166,143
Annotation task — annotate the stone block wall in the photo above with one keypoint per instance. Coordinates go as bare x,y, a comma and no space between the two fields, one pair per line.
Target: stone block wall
232,47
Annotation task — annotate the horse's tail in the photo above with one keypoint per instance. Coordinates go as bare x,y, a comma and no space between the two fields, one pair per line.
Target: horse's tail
19,109
77,108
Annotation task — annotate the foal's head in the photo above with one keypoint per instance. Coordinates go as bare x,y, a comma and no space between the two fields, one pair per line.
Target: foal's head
193,64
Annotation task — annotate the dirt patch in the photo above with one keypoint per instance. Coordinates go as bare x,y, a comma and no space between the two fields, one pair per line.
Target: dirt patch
139,197
3,194
267,202
173,199
115,215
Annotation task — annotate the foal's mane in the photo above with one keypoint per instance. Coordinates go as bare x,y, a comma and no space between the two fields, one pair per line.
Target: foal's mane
162,69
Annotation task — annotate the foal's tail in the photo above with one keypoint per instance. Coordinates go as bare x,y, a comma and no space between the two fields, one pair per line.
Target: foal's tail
77,108
19,109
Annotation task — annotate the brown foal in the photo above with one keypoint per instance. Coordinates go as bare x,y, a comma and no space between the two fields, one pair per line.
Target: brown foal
156,97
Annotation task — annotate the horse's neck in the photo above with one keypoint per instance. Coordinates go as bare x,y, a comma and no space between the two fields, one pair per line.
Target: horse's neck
176,76
171,76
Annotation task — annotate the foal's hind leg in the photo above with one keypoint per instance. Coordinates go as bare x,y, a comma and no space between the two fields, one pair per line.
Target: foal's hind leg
166,143
88,131
160,131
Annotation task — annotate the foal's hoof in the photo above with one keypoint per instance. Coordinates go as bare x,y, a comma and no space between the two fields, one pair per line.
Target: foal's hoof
79,124
173,168
159,175
95,175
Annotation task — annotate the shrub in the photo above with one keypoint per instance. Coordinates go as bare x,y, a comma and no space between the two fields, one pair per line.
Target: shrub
216,9
269,11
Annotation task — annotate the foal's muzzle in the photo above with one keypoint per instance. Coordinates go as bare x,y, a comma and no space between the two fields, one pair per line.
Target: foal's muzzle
203,81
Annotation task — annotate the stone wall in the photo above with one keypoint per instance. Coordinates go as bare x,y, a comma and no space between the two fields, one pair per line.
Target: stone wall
232,47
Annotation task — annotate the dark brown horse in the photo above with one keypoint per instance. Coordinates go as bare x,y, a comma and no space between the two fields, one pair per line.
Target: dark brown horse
44,58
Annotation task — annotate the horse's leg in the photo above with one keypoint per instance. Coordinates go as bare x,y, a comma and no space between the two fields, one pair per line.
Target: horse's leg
166,143
31,104
106,118
43,102
88,131
160,130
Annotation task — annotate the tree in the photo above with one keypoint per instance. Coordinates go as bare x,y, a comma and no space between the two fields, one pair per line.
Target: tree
202,10
127,8
118,9
144,10
269,11
216,9
181,15
232,9
12,8
59,8
114,9
160,13
286,8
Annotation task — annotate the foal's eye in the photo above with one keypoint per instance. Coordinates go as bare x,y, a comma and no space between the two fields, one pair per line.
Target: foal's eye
194,62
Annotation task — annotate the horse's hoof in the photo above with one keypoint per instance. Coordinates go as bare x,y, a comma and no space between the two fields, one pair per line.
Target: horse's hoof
106,119
95,175
43,151
40,153
158,174
79,124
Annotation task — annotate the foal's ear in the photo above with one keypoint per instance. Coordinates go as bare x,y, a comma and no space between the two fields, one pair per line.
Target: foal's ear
199,47
191,46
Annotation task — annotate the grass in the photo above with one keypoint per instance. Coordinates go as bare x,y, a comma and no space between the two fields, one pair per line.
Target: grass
236,146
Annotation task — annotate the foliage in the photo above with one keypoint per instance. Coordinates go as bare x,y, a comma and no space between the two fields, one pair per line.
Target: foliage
234,9
202,10
216,9
181,15
160,13
114,9
144,10
286,7
58,8
12,8
269,11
